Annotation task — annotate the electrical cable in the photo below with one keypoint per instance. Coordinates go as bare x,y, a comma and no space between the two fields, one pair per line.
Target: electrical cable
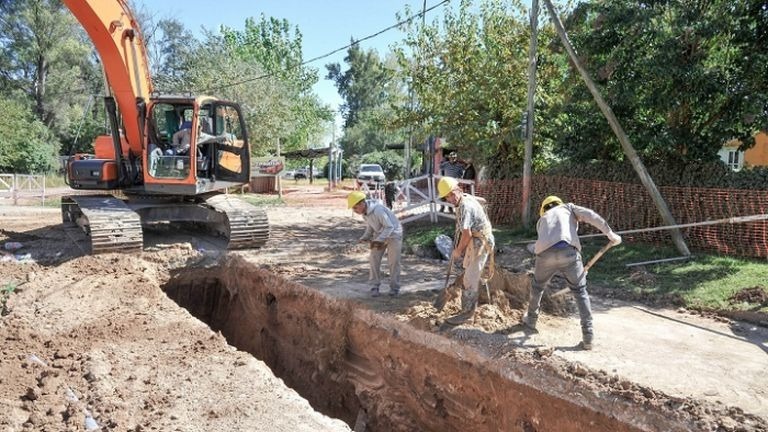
320,57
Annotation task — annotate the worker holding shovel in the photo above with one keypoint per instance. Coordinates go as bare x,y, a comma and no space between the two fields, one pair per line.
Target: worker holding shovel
384,234
475,243
558,249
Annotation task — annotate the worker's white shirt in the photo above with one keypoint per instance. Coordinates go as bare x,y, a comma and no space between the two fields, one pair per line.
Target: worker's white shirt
381,223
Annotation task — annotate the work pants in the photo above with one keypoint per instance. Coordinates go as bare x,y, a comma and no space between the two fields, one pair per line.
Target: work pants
567,261
392,247
475,258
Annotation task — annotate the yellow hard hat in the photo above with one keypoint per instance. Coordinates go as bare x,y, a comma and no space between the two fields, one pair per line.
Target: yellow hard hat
354,198
446,185
548,203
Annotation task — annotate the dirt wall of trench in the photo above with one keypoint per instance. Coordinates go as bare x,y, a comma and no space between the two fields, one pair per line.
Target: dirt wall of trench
359,366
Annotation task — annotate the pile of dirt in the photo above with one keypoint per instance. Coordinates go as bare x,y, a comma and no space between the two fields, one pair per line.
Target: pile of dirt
757,295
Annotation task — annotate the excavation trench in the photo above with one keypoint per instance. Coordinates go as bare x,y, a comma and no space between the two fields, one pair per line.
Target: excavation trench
366,368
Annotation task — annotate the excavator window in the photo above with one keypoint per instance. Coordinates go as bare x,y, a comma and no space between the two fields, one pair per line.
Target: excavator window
166,120
232,162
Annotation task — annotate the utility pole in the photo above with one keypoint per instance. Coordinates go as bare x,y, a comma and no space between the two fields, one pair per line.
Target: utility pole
528,127
629,151
279,179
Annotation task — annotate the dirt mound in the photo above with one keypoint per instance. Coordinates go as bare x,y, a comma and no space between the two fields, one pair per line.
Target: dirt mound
756,295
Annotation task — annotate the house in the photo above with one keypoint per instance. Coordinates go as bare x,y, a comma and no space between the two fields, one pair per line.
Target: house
753,157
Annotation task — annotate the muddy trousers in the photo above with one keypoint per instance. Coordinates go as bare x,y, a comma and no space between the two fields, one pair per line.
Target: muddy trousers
567,261
474,262
393,247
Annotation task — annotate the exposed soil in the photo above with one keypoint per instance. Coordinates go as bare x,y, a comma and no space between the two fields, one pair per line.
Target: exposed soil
757,295
113,339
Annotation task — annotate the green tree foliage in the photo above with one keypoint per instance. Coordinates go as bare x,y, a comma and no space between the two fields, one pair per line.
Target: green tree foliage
26,145
682,77
46,63
270,51
469,76
172,49
363,86
391,162
370,89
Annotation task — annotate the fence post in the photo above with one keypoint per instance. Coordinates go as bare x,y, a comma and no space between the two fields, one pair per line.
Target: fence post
14,194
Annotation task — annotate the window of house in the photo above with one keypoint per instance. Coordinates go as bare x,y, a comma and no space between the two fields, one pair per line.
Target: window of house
734,159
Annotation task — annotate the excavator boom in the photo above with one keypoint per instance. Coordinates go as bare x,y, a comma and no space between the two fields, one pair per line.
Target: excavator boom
116,37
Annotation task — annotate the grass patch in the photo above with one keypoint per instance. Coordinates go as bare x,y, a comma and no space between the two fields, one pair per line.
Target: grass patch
704,282
5,293
54,202
423,234
262,200
55,180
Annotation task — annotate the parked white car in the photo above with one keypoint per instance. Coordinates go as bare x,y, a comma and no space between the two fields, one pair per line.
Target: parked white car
370,173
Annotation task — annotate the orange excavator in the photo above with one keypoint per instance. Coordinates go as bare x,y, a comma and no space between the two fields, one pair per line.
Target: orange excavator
168,157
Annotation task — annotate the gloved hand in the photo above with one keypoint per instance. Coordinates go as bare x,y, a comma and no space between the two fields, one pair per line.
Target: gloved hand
614,238
377,245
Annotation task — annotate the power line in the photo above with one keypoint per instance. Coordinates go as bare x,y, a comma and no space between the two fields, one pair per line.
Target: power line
314,59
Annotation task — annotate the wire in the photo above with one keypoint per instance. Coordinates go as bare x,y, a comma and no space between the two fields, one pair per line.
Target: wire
320,57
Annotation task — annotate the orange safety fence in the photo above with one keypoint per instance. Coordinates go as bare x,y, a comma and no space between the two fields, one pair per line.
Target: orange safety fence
629,206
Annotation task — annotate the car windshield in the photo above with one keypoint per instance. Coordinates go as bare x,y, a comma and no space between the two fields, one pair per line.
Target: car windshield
372,168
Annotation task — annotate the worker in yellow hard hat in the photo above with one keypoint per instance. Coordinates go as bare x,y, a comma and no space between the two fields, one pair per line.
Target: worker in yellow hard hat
384,233
475,243
558,249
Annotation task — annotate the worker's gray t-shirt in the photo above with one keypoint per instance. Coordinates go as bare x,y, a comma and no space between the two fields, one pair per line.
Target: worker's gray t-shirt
472,217
561,223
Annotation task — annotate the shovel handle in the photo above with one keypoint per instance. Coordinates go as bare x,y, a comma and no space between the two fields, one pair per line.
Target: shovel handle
597,256
589,265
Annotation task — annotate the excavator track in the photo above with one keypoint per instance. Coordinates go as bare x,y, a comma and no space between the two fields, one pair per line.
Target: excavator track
109,223
247,225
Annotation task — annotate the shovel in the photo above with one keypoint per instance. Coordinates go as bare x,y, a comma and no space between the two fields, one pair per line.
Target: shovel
587,267
442,298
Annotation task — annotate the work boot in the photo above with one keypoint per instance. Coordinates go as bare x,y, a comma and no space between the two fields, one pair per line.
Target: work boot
441,300
484,295
529,324
586,346
393,292
375,292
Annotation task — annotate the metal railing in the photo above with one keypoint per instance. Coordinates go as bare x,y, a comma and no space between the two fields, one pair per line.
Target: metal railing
415,198
22,186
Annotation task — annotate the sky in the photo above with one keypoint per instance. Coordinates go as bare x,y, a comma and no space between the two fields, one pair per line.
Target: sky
324,25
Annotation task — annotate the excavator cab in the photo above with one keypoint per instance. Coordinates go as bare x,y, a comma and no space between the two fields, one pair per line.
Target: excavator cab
195,146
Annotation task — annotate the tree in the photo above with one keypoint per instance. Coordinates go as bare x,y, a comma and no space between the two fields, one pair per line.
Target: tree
682,77
173,48
370,90
47,64
26,145
271,51
363,85
469,77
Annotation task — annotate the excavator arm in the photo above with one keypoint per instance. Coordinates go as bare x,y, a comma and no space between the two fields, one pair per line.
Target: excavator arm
116,36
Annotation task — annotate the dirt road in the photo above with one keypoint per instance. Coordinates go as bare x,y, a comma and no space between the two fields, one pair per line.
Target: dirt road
95,336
